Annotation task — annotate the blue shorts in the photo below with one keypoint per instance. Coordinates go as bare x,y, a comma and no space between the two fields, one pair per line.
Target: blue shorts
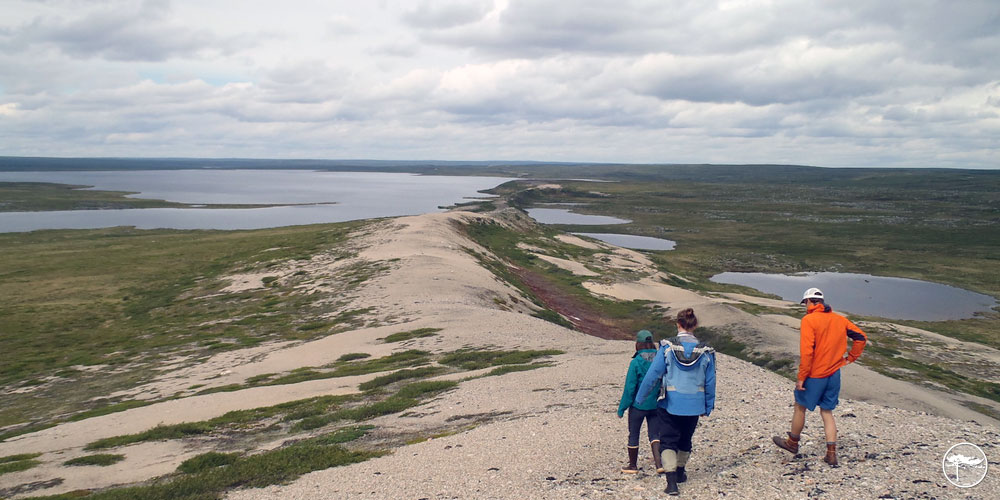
822,391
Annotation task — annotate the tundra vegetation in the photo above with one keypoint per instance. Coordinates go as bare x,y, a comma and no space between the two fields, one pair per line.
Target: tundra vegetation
91,312
934,225
44,196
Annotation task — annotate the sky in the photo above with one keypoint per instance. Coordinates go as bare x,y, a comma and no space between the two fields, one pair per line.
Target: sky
855,83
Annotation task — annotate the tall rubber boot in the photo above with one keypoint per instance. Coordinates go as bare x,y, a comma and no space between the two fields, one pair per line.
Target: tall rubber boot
831,454
791,443
682,460
655,445
633,456
671,488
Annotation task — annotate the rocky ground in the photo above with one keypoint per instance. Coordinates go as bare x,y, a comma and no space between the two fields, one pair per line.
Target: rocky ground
562,439
550,432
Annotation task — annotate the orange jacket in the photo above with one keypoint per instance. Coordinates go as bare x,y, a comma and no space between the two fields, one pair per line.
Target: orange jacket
823,342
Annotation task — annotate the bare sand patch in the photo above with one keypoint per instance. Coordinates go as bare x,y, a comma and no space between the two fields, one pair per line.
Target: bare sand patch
142,461
578,241
530,248
74,435
569,265
246,281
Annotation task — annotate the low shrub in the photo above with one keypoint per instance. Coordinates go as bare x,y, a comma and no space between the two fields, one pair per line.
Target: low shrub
101,459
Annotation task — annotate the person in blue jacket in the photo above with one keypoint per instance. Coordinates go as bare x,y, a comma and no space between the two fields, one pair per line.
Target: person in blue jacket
640,409
685,369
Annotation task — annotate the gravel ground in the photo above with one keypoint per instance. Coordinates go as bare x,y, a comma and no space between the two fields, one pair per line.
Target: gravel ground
562,439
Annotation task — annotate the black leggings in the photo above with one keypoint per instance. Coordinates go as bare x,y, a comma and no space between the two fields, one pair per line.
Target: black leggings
635,418
676,430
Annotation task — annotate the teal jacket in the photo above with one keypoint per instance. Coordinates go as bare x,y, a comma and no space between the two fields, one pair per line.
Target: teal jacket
636,371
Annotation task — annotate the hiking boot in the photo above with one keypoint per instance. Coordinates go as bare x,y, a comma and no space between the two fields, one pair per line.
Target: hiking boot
791,443
633,456
831,454
682,460
655,445
681,475
671,488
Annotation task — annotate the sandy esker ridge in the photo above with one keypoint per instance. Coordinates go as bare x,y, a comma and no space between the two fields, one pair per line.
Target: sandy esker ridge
550,432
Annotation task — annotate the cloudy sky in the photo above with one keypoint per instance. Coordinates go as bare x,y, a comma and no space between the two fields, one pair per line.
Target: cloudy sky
829,83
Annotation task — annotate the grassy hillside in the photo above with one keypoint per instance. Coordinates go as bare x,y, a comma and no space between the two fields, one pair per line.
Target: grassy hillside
119,299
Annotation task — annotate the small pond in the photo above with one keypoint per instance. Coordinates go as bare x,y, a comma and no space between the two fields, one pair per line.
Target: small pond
563,216
864,294
631,241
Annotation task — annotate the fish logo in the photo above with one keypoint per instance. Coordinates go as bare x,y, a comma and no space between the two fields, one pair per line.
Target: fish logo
964,465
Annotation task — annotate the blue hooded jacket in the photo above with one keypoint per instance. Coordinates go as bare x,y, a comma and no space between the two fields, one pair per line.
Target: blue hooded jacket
685,368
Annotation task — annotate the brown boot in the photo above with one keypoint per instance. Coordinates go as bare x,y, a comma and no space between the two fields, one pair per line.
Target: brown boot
633,456
791,443
655,445
831,454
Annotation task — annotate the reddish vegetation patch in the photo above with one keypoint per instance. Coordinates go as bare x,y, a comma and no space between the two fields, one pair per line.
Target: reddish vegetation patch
583,317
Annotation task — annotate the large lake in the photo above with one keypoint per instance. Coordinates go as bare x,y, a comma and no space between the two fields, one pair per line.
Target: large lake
886,297
355,195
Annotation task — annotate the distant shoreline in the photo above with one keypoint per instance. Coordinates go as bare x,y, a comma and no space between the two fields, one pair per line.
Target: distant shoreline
12,163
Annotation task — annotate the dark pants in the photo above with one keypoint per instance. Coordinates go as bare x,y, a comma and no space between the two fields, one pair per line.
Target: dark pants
635,418
676,430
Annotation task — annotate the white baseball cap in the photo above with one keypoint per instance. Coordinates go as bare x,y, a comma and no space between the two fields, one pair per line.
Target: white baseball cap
812,293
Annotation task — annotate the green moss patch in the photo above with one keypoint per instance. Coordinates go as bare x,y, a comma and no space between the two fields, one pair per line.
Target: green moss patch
17,463
101,459
351,356
411,334
383,380
207,461
473,359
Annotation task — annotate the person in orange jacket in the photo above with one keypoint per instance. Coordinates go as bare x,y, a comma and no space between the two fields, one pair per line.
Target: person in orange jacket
822,345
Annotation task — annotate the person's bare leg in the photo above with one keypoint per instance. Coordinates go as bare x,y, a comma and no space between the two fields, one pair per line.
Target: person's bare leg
799,419
791,443
830,427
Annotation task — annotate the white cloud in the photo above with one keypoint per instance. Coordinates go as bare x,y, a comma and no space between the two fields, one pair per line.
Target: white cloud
125,32
8,109
828,83
446,14
339,25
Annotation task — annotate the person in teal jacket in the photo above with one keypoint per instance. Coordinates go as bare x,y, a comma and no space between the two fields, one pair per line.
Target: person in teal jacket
639,410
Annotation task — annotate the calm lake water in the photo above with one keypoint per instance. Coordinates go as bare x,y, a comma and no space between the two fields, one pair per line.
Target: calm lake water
633,242
563,216
357,195
886,297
